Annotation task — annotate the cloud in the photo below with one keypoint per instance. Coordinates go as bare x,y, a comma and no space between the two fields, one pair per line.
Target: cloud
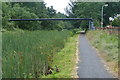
58,5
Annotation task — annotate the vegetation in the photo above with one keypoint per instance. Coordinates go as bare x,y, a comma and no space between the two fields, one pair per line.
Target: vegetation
65,60
116,22
78,11
111,10
29,47
106,44
92,10
29,54
22,10
31,10
32,49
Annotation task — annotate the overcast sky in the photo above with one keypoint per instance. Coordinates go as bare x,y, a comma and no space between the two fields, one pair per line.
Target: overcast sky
58,5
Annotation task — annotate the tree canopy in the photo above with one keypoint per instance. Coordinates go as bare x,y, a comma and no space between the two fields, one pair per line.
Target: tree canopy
92,10
31,10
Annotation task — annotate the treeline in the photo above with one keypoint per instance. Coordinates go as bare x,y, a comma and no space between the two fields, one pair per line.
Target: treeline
93,10
31,10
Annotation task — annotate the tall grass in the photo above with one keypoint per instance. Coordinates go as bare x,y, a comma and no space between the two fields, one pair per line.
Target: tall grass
65,60
29,54
105,42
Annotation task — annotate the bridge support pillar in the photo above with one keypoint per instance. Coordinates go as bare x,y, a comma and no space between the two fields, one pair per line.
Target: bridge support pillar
89,25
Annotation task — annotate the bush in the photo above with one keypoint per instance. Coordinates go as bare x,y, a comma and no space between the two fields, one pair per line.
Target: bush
116,22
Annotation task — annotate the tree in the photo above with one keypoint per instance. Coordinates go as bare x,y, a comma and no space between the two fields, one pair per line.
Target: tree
38,8
22,13
85,10
116,22
111,10
31,10
6,14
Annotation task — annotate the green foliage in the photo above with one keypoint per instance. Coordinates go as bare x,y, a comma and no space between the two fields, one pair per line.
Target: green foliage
116,22
76,30
38,8
85,10
84,24
65,60
22,13
97,23
28,54
6,11
93,10
16,12
31,10
111,10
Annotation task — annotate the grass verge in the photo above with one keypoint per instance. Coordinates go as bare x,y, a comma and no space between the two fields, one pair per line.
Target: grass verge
65,60
107,46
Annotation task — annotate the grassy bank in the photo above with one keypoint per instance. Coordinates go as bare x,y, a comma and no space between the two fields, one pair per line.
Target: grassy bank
28,54
65,60
107,46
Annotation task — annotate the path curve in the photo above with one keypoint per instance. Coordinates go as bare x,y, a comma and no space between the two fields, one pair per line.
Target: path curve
90,65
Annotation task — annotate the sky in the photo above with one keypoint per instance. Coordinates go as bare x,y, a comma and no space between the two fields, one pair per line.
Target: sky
58,5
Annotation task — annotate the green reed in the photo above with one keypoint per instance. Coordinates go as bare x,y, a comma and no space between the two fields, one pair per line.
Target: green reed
28,54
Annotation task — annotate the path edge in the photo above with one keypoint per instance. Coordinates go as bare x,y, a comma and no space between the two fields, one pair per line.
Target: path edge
75,73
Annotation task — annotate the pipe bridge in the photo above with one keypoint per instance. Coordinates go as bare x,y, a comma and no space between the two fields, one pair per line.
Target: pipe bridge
56,19
46,19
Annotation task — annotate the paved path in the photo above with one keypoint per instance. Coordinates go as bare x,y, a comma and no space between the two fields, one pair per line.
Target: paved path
90,65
